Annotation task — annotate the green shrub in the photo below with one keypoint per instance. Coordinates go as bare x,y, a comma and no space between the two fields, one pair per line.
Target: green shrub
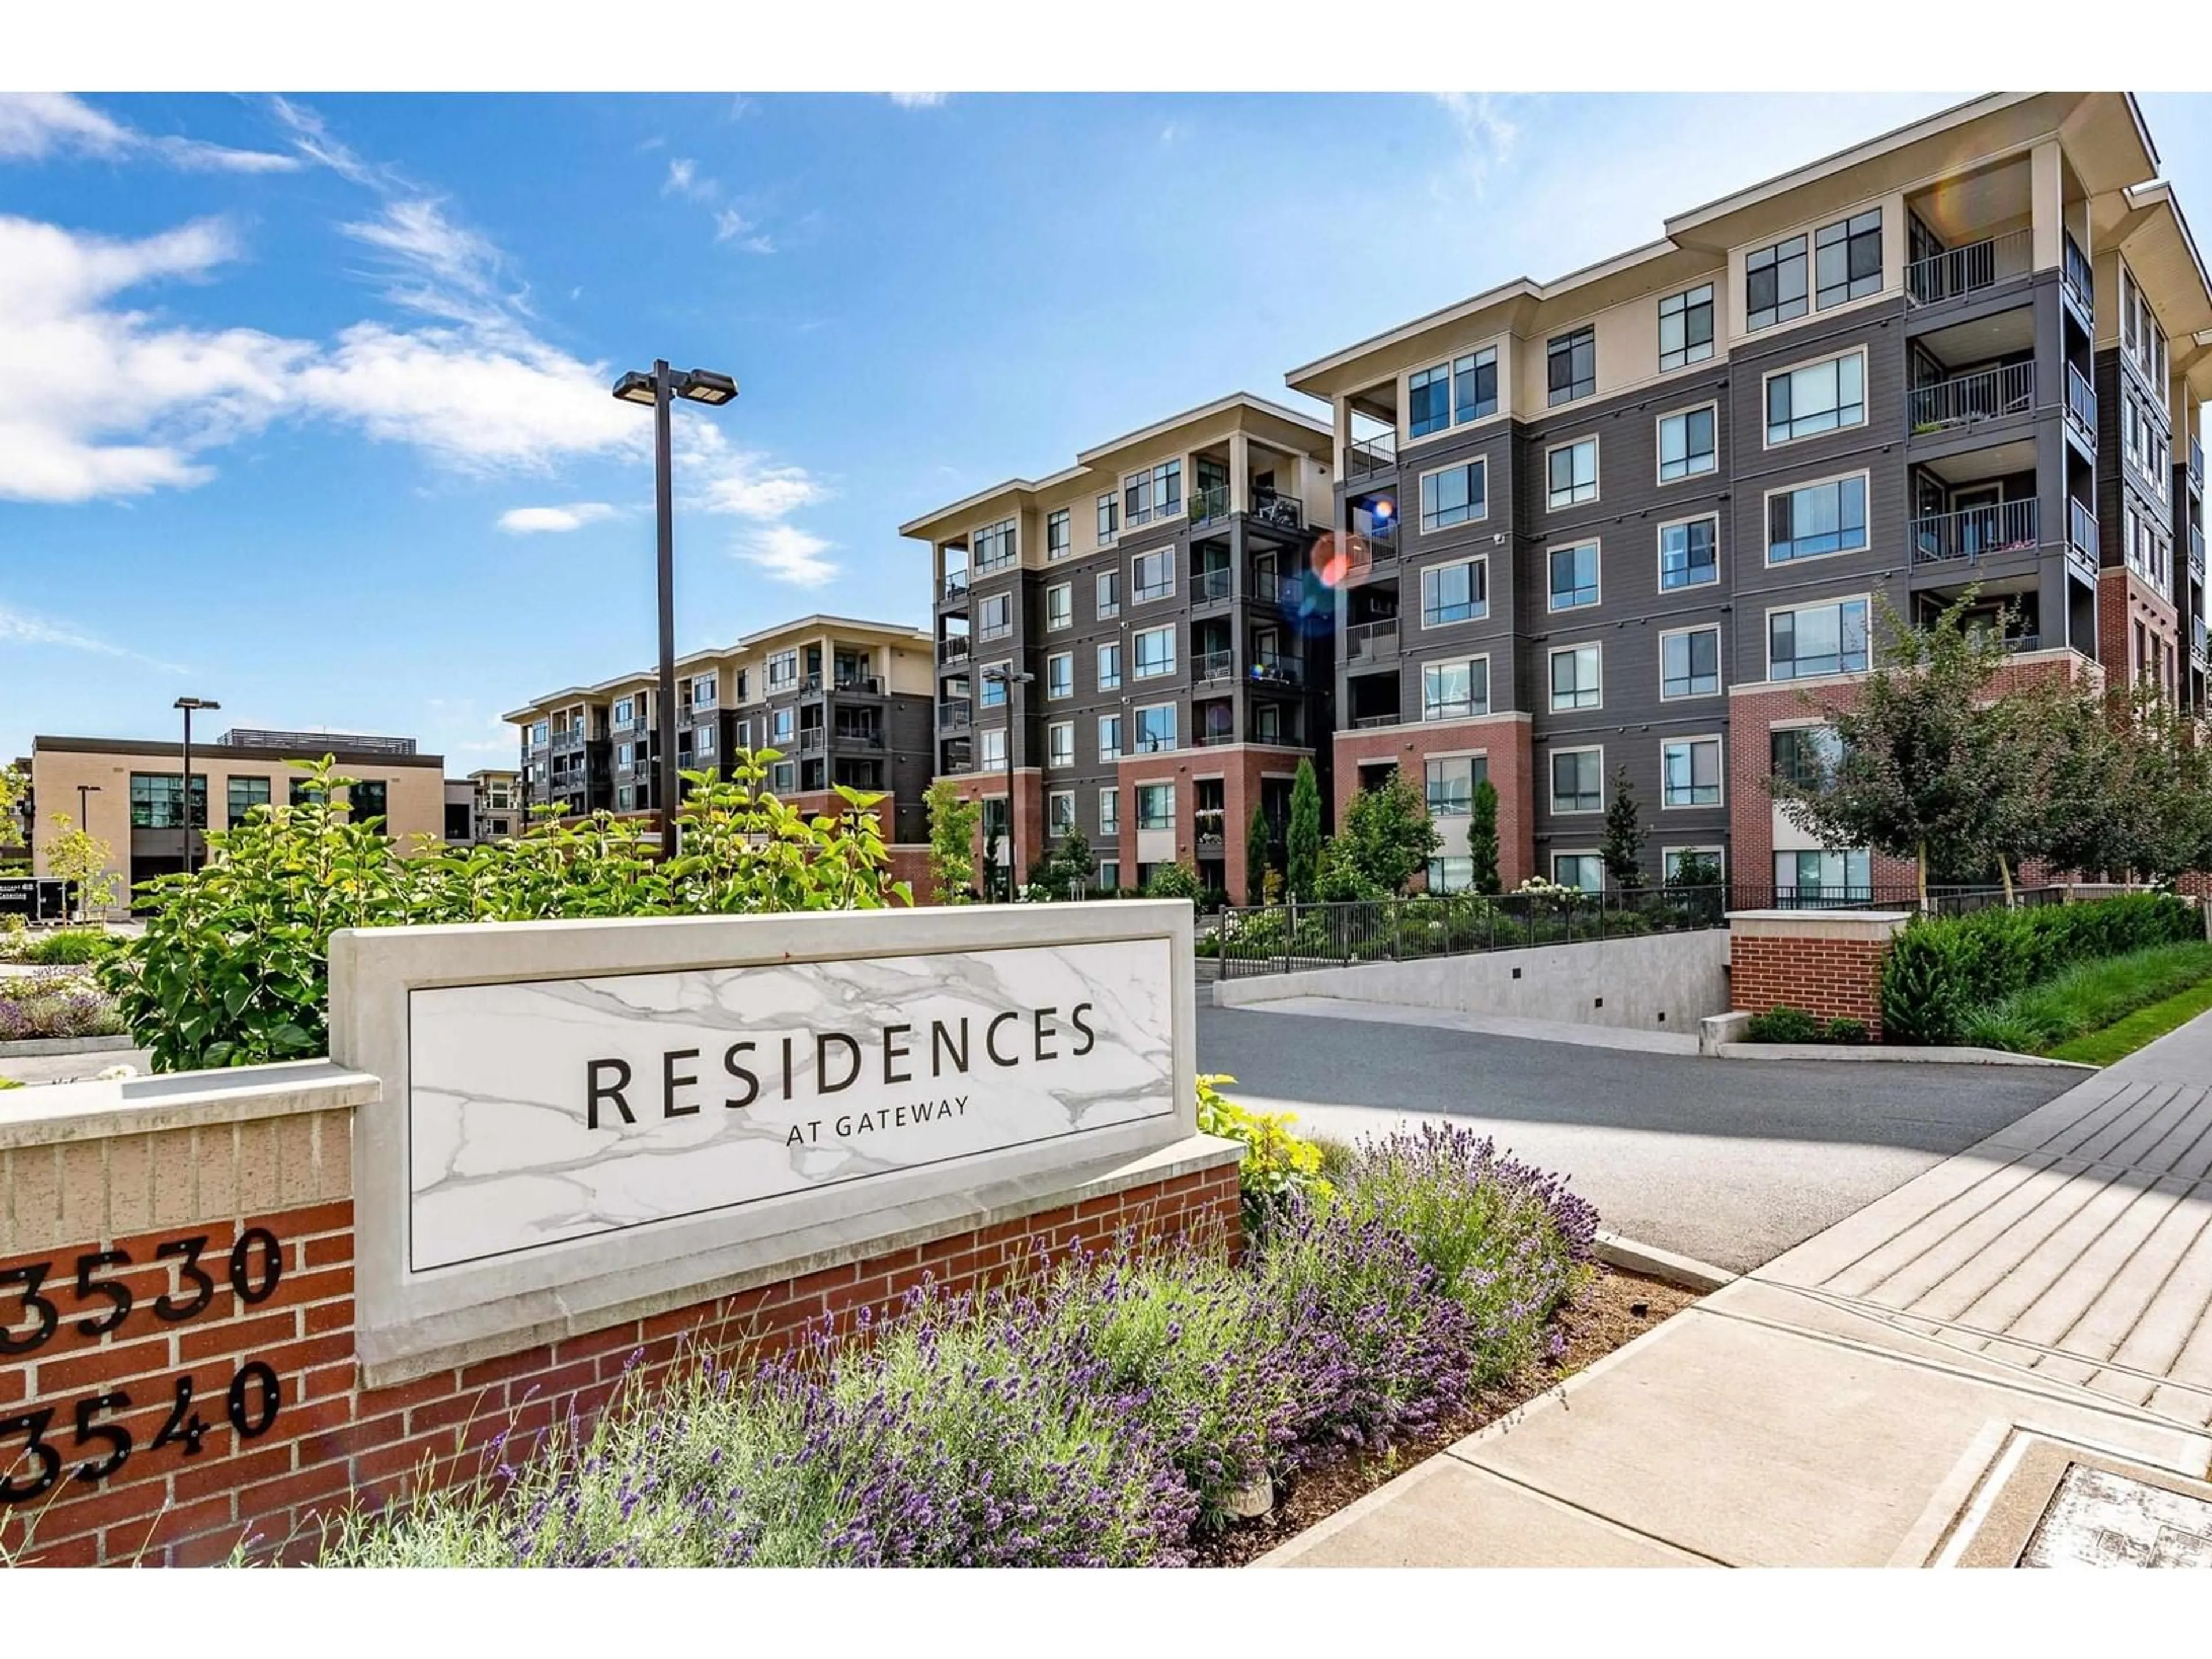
1174,881
1784,1026
1843,1029
71,947
2087,997
1277,1168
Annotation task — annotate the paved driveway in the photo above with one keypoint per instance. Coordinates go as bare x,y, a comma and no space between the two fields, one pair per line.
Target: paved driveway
1732,1162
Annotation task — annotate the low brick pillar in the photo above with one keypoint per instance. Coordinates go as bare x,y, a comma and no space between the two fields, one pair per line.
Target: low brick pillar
1826,962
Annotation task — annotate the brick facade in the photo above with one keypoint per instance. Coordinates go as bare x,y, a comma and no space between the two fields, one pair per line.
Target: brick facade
1028,836
276,1313
2127,604
1825,963
1503,740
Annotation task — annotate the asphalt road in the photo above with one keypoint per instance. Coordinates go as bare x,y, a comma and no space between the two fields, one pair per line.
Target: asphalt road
1729,1161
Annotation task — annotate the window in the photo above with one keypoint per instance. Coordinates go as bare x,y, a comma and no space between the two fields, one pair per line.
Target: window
1584,871
1575,672
995,616
706,691
1153,575
1452,394
1109,815
1571,469
1109,594
1059,536
1428,401
993,749
1571,365
1156,652
1685,444
626,798
1691,770
1811,874
1685,327
1817,518
1817,639
1060,744
1110,876
1156,806
1059,811
783,668
1450,875
625,756
301,792
995,546
702,740
1110,666
1687,553
1774,284
1822,397
1454,592
1060,675
1455,690
1673,860
780,726
246,794
1806,756
993,691
541,734
1109,737
1690,662
1109,517
1451,785
365,799
625,709
1847,259
1156,729
1154,495
1574,576
1059,606
1455,495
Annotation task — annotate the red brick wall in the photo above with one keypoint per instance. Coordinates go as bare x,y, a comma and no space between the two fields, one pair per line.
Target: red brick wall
1028,826
1832,978
1242,769
2124,599
1504,741
331,1440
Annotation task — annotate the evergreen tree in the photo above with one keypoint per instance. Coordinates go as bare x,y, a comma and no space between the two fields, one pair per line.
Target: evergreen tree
951,842
1259,836
1624,835
1305,837
1482,837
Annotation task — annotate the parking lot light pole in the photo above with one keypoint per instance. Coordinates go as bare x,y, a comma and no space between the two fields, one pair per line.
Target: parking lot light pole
83,812
188,704
1013,682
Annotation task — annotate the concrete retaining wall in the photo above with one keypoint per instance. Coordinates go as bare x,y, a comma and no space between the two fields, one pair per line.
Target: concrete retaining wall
1660,982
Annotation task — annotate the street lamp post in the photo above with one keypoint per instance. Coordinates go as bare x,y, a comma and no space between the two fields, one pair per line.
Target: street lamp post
188,704
698,385
1013,682
82,813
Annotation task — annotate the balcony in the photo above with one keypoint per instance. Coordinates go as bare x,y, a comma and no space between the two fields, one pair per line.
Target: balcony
1959,272
956,584
1974,534
1369,722
811,740
1207,822
1365,457
2081,538
1374,549
1965,400
1211,586
2077,280
2196,638
2196,555
956,714
857,737
1209,505
1153,744
1214,737
2082,406
1372,643
1212,667
1277,668
953,649
2196,466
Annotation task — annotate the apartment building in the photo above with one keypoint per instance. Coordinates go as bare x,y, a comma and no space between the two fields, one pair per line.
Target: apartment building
842,701
1620,524
131,792
1138,644
495,803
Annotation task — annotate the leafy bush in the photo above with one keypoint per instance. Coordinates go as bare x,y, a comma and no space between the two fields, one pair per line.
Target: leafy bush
1843,1029
71,947
2087,997
1173,881
1276,1167
1784,1024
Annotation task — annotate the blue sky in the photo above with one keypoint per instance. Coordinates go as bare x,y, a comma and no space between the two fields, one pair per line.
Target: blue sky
303,401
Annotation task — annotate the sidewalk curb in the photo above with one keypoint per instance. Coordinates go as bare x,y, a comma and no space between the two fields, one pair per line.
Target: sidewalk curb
47,1048
1687,1271
1900,1055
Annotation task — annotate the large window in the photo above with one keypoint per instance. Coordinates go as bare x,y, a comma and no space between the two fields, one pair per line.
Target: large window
156,800
1815,874
1110,666
1428,400
1688,556
995,546
783,667
1685,327
1455,690
1690,662
1691,770
706,691
1814,519
1847,259
1452,394
1156,806
1060,744
1585,871
246,794
703,740
1156,728
1153,575
1109,737
1578,780
1685,444
1774,284
781,721
365,799
1059,811
1109,517
1451,784
1571,365
1570,473
993,747
993,692
1060,675
1806,756
994,616
1450,875
625,757
1154,495
1676,862
302,793
1109,594
1110,811
1574,573
1455,495
1817,639
1059,536
1823,397
1059,606
1454,592
1156,652
1576,670
625,711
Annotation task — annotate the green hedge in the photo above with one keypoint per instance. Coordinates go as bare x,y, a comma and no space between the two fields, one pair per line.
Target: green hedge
1941,968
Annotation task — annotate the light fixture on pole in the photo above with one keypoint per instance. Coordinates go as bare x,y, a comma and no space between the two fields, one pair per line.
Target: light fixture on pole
999,675
698,385
188,704
83,811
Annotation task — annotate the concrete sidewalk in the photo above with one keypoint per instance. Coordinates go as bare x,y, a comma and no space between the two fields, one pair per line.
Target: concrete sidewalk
1915,1385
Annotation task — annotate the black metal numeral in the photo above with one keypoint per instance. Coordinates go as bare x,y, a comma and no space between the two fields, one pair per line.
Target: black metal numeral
117,1436
49,1461
190,1271
28,1278
273,1264
272,1397
88,1288
180,1426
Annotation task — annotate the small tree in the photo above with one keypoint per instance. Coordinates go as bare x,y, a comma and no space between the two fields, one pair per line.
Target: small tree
1259,841
1386,835
951,842
76,855
1303,843
14,790
1624,835
1482,837
1173,881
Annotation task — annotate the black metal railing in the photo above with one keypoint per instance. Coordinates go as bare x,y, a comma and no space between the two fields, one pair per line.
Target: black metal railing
1968,269
1210,585
2080,403
956,714
1369,722
1212,736
1963,400
1944,899
1974,532
1279,511
811,740
2075,271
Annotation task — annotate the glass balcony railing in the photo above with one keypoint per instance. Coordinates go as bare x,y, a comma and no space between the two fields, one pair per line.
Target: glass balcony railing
2079,280
2080,403
1208,586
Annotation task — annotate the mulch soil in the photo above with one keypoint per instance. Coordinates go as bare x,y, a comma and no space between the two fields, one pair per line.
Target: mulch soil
1619,1307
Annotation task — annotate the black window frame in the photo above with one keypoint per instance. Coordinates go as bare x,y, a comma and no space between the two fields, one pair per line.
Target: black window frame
1778,283
1854,244
1782,504
232,817
1690,677
1594,588
1595,795
1696,313
1712,565
1712,452
1475,474
1571,365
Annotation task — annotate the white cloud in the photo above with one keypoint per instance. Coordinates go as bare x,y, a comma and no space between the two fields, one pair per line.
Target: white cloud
918,100
533,520
787,554
744,483
34,125
731,226
683,179
313,140
21,628
1488,132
